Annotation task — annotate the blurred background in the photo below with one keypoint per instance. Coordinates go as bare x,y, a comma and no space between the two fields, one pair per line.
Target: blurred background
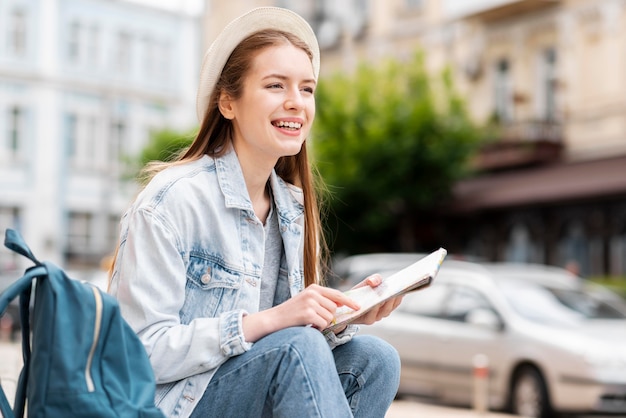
493,128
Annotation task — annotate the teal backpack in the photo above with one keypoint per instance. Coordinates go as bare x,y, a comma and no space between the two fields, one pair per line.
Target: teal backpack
85,360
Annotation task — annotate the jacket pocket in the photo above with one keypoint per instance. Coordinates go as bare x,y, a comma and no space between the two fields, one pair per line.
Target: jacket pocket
210,289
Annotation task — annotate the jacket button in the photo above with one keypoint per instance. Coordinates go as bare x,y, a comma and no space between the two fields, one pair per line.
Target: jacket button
206,277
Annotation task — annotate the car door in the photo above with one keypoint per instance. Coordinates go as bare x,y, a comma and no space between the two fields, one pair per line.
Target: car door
412,329
461,340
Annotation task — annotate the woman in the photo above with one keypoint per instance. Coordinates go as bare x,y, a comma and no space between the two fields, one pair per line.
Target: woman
219,257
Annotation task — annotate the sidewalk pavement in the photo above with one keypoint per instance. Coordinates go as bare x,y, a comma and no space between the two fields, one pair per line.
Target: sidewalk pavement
413,408
11,364
10,367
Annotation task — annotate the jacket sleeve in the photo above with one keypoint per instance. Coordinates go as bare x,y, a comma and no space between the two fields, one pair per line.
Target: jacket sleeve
149,282
342,337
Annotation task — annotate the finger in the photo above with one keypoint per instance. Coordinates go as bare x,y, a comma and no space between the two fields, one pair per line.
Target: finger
339,298
372,281
389,307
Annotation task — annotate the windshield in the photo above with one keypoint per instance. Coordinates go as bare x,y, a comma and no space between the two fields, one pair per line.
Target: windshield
562,305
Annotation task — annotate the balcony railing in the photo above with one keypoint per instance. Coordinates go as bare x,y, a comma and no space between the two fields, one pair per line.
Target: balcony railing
531,131
521,143
496,9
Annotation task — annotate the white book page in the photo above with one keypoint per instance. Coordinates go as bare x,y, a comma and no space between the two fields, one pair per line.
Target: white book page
416,276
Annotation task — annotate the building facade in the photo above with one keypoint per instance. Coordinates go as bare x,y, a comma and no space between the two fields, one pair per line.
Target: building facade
82,85
551,188
550,74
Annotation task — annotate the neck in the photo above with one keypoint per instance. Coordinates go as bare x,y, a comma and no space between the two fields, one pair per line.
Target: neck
256,174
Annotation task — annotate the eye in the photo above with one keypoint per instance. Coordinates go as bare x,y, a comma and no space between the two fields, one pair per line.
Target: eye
310,90
275,86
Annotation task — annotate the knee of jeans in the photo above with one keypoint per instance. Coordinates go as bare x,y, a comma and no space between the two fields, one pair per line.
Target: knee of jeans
308,341
382,354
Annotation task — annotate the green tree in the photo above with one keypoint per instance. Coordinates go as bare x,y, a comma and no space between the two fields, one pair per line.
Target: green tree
389,142
163,145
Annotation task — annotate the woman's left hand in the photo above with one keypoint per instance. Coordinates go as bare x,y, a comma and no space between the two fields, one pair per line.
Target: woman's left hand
380,311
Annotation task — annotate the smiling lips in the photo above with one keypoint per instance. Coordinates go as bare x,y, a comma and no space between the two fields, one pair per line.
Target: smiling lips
287,125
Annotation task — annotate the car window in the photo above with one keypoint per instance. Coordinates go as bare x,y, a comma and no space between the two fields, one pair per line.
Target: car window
426,302
586,304
557,305
463,300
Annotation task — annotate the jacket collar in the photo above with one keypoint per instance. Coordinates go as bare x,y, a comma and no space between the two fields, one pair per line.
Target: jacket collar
287,197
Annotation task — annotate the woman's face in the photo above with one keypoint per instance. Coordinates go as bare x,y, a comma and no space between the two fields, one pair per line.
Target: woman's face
274,115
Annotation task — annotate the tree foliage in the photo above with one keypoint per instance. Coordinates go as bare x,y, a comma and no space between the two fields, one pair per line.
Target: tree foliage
164,145
389,141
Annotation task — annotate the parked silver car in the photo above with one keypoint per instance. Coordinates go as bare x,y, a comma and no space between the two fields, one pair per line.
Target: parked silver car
554,342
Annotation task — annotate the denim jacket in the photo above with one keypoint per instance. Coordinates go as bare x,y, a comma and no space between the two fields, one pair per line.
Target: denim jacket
189,267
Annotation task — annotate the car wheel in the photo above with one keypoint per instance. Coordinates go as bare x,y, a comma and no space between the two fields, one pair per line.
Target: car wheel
529,396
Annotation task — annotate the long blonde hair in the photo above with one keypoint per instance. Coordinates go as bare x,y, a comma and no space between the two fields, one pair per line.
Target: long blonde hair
216,131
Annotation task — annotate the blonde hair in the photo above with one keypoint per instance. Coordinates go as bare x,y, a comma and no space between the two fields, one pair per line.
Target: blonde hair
216,131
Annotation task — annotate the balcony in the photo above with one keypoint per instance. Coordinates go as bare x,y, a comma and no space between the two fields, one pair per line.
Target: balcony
493,10
520,144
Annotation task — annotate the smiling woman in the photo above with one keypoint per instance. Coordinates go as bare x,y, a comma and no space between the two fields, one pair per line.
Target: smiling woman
220,255
273,116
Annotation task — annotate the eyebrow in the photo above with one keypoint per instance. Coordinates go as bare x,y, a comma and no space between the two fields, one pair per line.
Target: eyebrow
282,77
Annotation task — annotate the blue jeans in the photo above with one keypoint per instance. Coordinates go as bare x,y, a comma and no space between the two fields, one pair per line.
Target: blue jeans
294,373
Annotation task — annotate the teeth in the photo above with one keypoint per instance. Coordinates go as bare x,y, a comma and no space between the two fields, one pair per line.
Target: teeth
292,125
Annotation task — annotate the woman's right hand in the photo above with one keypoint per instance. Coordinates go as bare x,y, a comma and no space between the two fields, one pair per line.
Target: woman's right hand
314,306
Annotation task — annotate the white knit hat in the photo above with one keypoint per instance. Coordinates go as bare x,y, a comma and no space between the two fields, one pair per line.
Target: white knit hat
238,30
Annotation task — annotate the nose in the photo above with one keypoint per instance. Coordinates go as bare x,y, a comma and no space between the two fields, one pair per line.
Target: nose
294,100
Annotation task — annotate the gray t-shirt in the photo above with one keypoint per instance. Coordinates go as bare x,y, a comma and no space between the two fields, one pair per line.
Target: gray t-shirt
271,262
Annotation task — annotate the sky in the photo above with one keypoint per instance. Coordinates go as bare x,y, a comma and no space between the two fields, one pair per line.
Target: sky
452,7
193,7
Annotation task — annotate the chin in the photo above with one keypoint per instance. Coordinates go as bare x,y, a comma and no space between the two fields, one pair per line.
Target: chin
292,150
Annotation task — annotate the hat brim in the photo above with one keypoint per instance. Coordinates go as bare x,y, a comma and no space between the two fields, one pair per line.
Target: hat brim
239,29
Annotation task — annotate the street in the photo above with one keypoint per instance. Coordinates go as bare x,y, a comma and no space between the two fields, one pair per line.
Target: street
10,366
413,408
11,356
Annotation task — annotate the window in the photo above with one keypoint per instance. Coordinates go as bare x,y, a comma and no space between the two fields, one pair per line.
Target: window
88,140
426,303
617,248
16,129
164,60
574,246
93,49
74,42
10,217
16,40
462,301
113,232
547,94
149,56
414,4
520,247
118,139
81,138
503,99
79,231
123,52
71,132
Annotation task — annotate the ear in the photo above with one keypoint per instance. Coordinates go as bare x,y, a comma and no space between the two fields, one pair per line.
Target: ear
225,104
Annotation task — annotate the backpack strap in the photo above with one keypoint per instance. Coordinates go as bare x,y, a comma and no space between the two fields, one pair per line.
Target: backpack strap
14,241
22,288
5,406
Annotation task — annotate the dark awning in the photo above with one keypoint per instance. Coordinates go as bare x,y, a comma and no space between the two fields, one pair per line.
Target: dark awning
545,184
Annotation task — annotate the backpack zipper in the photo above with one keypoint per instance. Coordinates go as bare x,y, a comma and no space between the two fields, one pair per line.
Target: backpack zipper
96,335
